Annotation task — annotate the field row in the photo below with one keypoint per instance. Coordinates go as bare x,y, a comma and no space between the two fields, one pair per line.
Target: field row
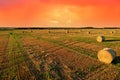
79,65
28,56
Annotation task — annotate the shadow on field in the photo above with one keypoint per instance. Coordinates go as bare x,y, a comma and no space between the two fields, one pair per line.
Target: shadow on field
112,40
116,60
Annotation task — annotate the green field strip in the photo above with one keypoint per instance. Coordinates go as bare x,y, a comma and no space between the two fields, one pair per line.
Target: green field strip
10,56
29,63
57,43
80,50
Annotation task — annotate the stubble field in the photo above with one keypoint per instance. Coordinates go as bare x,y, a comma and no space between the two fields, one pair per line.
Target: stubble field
57,54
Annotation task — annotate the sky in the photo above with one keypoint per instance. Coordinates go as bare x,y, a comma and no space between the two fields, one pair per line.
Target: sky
59,13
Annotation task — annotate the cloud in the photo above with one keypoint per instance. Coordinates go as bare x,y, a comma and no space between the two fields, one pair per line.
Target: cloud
83,2
49,12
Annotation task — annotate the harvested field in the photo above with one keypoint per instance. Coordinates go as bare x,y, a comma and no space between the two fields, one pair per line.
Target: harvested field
63,54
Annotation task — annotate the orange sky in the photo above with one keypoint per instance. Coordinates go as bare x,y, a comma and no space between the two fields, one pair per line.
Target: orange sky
96,13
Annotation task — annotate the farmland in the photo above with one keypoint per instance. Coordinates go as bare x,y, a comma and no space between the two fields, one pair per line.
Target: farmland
57,54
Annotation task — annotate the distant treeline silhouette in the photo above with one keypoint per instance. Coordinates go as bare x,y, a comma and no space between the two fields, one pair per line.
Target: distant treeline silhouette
11,28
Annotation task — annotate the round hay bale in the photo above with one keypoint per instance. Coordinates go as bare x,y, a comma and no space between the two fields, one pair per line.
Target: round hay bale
49,31
106,55
11,33
23,31
88,32
100,38
67,31
111,32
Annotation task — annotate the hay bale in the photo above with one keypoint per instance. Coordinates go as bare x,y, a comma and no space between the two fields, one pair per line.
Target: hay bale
100,38
88,32
67,31
49,31
111,32
11,33
23,31
106,55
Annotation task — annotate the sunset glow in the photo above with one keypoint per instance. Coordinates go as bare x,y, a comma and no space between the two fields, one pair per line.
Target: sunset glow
96,13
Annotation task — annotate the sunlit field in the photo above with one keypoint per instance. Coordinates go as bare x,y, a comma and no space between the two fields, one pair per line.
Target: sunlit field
57,54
